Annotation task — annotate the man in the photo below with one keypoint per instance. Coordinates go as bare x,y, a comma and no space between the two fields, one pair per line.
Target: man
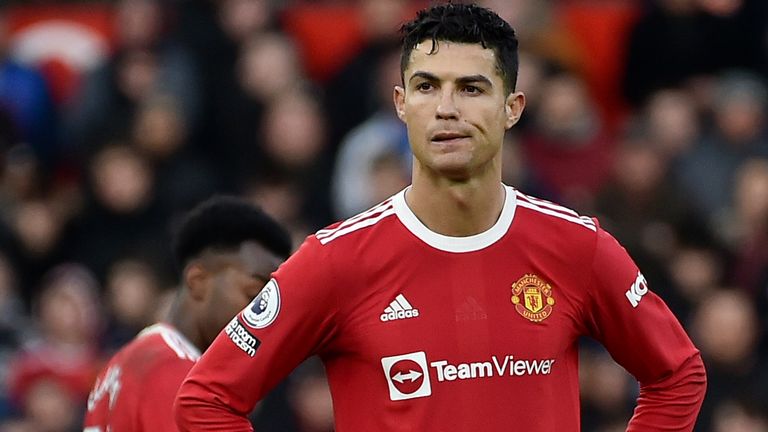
226,249
456,304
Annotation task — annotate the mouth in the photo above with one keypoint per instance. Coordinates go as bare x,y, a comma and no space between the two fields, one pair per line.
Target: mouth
444,137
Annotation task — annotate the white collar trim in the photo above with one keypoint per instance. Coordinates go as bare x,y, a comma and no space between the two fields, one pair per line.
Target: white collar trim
457,244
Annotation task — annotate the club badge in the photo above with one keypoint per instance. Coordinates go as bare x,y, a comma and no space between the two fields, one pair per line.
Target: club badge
532,298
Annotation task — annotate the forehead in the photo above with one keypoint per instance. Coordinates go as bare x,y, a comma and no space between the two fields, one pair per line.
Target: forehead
452,58
256,257
250,257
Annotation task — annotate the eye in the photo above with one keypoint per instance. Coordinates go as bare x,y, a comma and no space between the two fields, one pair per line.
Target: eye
424,86
472,89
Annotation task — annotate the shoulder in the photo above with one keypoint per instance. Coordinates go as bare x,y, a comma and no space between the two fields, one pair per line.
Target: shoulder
336,253
124,380
571,236
171,341
158,347
560,237
542,212
353,229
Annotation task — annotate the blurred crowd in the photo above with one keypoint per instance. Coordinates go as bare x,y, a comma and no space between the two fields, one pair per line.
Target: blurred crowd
650,115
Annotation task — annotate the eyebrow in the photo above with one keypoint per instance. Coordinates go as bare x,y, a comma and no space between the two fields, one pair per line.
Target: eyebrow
425,75
461,80
475,79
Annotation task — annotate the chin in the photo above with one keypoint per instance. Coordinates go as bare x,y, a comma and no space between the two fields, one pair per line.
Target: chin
455,173
454,166
453,163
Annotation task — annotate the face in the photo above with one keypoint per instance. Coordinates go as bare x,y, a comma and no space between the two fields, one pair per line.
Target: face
456,110
122,179
234,279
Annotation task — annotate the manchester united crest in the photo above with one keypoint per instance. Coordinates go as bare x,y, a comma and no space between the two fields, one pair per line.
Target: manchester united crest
532,298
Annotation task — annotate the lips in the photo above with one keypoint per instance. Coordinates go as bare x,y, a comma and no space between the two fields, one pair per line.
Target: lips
447,136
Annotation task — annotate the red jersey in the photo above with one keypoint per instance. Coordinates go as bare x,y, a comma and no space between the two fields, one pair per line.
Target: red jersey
424,332
135,392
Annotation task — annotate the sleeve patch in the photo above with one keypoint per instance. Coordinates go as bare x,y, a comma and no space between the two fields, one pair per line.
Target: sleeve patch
637,290
264,308
241,337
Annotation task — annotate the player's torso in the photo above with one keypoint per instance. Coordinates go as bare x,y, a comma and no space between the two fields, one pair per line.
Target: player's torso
481,340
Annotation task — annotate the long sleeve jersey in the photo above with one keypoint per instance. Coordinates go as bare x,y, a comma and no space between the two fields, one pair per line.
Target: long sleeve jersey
424,332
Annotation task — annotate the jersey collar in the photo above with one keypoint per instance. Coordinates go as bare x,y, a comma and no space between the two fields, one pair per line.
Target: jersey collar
457,244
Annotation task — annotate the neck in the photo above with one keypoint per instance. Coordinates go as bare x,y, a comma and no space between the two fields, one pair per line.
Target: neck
456,208
180,318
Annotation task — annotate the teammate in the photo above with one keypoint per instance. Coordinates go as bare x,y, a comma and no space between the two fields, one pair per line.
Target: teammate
457,304
226,249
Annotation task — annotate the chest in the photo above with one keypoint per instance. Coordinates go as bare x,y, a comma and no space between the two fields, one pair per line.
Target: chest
464,308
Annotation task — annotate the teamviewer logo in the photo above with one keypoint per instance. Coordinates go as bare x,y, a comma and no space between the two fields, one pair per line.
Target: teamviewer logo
407,376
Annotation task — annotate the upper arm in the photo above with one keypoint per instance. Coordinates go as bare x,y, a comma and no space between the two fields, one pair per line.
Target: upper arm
290,320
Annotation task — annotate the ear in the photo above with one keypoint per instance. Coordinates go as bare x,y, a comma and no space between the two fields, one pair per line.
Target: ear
398,96
196,279
513,108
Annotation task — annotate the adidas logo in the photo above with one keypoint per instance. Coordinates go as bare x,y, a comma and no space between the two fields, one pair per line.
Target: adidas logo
399,309
470,310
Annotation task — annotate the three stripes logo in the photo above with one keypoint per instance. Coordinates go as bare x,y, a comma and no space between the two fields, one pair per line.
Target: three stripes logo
400,308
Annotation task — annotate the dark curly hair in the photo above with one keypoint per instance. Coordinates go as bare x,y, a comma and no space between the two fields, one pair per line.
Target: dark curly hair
464,23
223,223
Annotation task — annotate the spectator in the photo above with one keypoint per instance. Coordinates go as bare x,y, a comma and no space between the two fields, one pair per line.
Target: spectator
747,226
121,216
567,146
726,328
183,175
215,32
374,159
25,96
347,109
295,149
145,63
132,291
50,379
268,67
13,328
731,416
682,35
671,123
707,173
606,390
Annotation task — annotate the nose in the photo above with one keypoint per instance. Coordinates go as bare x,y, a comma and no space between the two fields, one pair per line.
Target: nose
447,108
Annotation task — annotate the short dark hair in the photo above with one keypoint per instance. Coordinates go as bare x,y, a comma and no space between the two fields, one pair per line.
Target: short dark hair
464,23
224,223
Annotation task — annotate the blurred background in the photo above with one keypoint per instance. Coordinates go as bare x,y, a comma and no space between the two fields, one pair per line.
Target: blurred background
117,116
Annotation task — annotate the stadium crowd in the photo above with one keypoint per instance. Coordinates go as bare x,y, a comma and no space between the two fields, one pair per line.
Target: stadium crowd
650,115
